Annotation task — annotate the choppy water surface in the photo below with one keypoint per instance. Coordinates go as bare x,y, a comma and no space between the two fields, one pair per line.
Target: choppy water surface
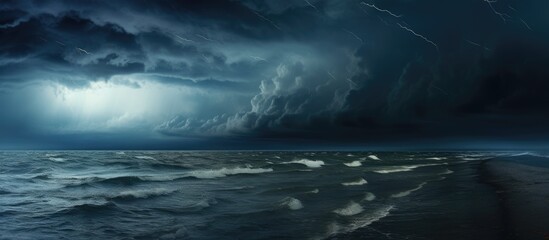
244,195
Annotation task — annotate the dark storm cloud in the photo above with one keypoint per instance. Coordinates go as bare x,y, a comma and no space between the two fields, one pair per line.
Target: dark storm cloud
358,70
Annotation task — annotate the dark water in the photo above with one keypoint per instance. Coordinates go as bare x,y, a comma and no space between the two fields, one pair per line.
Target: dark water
245,195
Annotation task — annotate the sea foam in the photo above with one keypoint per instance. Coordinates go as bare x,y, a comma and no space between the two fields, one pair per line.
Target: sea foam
353,164
350,209
406,168
292,203
307,162
408,192
369,197
223,172
373,157
360,222
359,182
143,193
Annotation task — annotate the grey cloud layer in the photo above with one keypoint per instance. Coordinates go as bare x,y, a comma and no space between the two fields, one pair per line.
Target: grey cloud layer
329,69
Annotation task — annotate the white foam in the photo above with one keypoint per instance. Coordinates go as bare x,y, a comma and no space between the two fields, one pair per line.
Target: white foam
369,197
307,162
373,157
145,157
315,191
277,157
56,159
350,209
436,158
223,172
408,192
353,164
363,221
406,168
292,203
359,182
120,153
350,155
144,193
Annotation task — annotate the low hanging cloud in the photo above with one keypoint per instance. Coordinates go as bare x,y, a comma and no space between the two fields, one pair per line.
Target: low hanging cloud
322,69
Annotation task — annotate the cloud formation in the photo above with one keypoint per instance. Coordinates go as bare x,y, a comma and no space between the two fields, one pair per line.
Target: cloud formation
354,71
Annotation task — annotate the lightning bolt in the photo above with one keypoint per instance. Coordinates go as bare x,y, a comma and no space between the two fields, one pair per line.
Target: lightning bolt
183,39
418,35
310,4
476,44
501,15
354,35
525,24
268,20
381,10
204,37
83,51
60,43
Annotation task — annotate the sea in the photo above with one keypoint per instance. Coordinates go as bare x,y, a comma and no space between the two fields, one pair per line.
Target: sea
246,195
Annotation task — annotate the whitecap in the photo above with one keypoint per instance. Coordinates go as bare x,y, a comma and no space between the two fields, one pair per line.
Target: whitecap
353,164
350,155
56,159
359,182
408,192
357,223
307,162
406,168
369,197
120,153
350,209
292,203
143,193
373,157
315,191
436,158
145,157
223,172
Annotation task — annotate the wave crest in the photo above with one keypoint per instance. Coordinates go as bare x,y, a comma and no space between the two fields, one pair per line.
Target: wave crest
358,182
307,162
292,203
223,172
350,209
353,164
408,192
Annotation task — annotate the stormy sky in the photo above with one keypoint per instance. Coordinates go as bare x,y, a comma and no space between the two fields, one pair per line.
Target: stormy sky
227,74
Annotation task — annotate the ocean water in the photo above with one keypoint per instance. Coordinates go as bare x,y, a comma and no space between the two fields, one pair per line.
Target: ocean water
245,195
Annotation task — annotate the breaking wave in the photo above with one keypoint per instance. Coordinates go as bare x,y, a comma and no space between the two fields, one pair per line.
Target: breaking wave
408,192
436,158
350,209
307,162
142,193
359,182
369,197
292,203
373,157
360,222
223,172
353,164
145,157
406,168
